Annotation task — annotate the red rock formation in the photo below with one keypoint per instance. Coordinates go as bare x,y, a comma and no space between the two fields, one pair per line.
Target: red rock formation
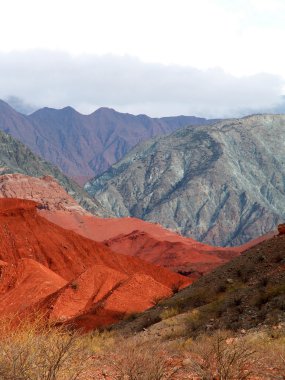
102,296
39,257
45,191
148,241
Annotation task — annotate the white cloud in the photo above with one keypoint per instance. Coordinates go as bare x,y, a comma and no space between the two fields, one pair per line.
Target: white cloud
243,37
86,82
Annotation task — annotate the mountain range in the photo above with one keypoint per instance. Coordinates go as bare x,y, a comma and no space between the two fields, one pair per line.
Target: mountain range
83,146
223,184
208,182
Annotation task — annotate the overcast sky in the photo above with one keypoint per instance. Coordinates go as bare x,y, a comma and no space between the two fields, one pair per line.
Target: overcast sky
162,57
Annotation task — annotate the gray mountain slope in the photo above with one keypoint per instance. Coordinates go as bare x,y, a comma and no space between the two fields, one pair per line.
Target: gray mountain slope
17,158
222,184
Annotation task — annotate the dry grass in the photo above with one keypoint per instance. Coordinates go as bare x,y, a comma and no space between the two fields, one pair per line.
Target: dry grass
139,359
270,346
222,357
32,350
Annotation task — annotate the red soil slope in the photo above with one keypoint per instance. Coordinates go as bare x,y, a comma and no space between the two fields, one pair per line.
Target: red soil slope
24,284
38,257
147,241
102,296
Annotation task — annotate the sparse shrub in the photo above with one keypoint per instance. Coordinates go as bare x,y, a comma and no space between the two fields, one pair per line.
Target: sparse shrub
221,288
176,287
74,285
221,357
271,292
195,320
260,300
276,290
237,300
263,282
168,313
233,325
97,341
130,317
278,258
201,297
215,308
239,273
260,258
246,274
280,303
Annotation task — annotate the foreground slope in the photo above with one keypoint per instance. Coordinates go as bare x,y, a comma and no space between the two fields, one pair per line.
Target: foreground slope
17,158
246,293
85,145
49,268
222,184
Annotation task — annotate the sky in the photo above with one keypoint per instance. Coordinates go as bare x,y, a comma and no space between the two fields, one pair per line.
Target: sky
212,58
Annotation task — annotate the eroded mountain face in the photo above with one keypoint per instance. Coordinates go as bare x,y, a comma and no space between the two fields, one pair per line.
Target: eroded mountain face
222,184
17,158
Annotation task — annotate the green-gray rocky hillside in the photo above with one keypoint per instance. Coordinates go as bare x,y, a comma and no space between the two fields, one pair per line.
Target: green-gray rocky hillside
222,184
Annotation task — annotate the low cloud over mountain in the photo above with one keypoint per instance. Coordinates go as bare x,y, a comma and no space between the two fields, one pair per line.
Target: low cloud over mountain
55,79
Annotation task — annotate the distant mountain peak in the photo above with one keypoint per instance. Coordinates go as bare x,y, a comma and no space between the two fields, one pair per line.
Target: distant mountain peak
69,109
104,110
50,110
83,146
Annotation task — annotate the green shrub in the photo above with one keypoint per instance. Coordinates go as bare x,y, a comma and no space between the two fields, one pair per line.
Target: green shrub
168,313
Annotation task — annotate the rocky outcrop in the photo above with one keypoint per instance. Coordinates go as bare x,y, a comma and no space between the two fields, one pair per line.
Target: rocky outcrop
222,184
45,191
17,158
85,145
